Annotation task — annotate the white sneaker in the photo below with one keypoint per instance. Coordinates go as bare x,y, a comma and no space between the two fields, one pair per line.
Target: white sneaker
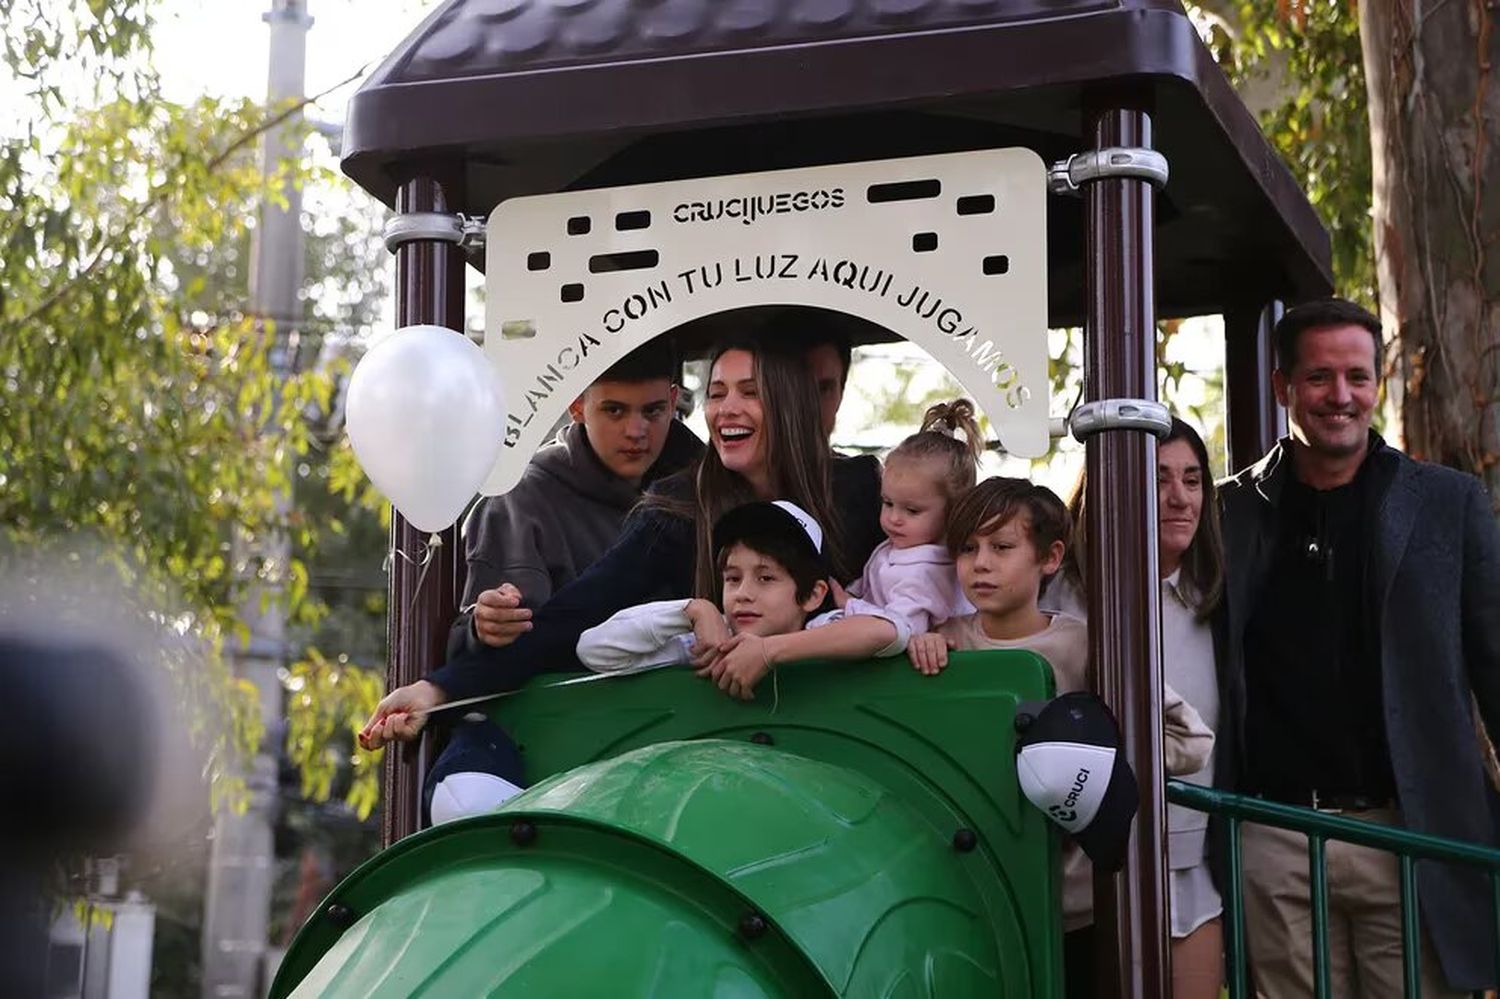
460,795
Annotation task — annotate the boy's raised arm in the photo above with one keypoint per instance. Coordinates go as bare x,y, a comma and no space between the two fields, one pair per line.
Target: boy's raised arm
638,638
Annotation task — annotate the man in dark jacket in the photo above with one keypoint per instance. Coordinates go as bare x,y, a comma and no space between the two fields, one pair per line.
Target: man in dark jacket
573,497
1363,616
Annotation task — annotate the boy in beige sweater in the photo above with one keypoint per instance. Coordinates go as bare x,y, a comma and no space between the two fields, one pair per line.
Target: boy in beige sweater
1006,536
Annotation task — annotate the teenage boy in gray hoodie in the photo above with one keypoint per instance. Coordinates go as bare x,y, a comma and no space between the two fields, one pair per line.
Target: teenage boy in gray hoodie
573,497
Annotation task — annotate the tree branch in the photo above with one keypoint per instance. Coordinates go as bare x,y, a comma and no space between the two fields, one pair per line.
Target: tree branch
159,196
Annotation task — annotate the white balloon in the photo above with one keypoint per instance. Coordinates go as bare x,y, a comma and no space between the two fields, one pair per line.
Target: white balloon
426,417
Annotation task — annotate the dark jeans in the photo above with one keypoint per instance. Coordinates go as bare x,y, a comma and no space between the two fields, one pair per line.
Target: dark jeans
474,747
1078,963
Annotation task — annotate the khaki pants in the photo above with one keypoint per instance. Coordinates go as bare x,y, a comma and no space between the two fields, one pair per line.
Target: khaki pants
1364,917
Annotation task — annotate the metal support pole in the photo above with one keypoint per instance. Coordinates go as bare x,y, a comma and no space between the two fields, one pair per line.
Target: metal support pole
1255,420
242,859
423,600
1130,909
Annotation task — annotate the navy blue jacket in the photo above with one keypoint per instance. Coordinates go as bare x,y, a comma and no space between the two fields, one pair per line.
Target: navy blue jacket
653,560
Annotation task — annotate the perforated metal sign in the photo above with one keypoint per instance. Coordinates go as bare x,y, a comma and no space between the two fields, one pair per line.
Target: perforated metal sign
947,251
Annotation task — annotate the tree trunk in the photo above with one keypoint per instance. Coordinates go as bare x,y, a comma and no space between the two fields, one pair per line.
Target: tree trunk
1434,102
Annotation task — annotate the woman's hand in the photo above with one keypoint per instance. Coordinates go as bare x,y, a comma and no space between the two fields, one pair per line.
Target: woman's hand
743,662
839,594
401,714
709,631
928,653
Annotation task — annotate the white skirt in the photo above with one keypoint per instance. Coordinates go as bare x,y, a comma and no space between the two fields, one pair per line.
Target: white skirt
1195,900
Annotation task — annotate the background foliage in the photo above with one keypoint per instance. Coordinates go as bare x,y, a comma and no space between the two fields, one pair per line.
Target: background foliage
143,426
1298,64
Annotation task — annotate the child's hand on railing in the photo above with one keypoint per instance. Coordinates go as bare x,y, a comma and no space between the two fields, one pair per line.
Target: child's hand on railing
928,653
743,662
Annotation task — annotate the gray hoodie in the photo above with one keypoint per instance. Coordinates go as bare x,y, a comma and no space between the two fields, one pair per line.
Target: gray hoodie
564,513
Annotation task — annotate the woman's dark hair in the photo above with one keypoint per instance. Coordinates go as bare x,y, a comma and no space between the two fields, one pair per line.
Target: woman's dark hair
798,461
1202,563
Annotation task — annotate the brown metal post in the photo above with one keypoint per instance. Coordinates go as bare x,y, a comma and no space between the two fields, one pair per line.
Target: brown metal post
423,600
1130,908
1255,420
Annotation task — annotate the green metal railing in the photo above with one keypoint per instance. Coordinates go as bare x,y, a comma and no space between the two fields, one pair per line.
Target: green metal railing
1320,827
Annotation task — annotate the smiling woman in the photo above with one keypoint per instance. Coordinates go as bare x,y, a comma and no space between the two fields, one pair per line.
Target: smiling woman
767,441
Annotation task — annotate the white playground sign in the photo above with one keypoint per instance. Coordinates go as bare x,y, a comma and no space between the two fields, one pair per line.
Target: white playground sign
948,251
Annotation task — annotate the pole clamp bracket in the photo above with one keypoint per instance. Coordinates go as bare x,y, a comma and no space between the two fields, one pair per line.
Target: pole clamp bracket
1119,414
466,231
1068,176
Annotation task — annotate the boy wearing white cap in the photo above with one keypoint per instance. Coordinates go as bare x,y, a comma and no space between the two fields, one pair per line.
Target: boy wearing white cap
773,576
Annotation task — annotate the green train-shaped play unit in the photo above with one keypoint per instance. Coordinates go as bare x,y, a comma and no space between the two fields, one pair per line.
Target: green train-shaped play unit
856,831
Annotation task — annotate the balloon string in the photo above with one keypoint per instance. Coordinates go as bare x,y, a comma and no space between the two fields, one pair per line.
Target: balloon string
429,550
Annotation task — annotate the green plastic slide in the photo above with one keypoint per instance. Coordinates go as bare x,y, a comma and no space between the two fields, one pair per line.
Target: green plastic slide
856,831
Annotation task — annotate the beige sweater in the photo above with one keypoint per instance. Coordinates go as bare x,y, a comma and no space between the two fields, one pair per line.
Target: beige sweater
1064,643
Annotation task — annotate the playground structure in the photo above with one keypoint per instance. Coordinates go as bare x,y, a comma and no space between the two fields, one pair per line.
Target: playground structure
1167,202
865,837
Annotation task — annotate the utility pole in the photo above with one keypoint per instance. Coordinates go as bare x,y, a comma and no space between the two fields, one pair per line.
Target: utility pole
237,909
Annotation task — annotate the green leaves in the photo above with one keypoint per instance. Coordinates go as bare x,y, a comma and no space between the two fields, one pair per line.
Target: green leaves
329,702
143,426
1302,60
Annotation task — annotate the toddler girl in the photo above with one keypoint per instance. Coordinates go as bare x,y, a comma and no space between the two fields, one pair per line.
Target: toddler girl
910,577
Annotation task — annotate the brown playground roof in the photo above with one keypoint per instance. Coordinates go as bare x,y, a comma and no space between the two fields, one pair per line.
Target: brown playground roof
531,96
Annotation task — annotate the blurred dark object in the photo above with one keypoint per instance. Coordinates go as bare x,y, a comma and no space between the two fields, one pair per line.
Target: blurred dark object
77,755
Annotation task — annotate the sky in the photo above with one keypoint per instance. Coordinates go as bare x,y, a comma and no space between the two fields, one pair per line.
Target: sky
220,46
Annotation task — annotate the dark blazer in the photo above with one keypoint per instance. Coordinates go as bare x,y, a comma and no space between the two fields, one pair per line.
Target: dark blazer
1435,573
